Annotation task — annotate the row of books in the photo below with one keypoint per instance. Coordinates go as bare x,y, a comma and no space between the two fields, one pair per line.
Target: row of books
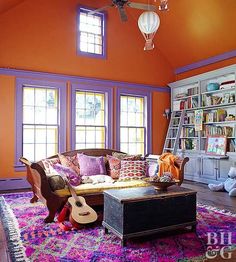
232,145
189,119
192,91
188,144
218,130
210,100
218,115
190,102
188,132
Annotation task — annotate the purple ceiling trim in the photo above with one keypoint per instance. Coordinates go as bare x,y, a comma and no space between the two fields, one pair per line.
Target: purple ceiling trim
79,79
205,62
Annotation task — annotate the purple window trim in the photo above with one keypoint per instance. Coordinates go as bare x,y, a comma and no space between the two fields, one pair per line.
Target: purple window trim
88,80
108,110
148,115
102,15
61,87
205,62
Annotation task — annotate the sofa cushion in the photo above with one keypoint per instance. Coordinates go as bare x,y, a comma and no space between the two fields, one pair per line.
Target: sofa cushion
90,165
133,170
124,156
66,172
70,161
48,162
86,189
114,165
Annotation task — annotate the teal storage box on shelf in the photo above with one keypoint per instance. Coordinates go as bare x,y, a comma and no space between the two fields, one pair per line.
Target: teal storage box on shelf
213,86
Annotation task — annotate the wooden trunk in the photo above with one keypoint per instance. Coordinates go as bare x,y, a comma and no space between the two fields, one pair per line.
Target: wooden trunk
143,211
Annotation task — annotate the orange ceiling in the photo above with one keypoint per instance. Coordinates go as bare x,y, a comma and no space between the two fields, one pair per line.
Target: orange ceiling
190,31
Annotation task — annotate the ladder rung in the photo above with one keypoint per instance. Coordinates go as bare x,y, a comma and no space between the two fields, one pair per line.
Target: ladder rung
173,127
171,138
168,148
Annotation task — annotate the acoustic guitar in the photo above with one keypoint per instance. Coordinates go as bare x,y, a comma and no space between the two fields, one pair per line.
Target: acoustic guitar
80,211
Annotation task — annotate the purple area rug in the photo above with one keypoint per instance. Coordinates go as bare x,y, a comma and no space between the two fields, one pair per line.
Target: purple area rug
30,239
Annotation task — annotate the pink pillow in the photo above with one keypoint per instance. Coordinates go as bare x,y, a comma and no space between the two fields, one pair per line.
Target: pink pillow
70,161
114,166
67,172
133,170
90,165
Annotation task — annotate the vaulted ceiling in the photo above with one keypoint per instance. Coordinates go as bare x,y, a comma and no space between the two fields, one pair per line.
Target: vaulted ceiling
190,31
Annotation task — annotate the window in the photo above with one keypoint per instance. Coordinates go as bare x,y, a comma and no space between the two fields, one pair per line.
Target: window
39,123
134,118
91,33
91,114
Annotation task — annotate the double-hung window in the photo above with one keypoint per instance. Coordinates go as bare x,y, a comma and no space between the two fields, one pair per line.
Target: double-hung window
40,122
92,119
134,121
91,33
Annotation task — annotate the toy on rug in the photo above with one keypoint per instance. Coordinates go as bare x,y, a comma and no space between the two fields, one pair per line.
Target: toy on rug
229,185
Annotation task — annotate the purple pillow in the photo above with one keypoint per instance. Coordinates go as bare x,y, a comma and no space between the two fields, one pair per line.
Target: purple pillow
90,165
69,173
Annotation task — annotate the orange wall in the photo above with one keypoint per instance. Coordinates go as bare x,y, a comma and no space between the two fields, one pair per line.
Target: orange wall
41,36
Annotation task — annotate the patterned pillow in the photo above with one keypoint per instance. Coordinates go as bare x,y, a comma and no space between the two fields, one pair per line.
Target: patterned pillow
123,156
70,161
133,170
114,165
90,165
66,172
48,162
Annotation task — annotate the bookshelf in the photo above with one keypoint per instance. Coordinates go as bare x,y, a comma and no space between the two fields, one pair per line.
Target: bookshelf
219,118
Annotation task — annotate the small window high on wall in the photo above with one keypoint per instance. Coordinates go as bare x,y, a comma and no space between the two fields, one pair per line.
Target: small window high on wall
134,122
91,114
91,33
40,123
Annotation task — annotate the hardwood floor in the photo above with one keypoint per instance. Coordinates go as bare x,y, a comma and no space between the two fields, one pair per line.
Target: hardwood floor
204,195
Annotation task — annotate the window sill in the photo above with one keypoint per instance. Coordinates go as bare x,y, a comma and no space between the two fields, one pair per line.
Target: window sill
19,168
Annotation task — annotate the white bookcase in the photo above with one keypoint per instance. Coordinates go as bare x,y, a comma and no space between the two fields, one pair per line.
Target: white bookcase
219,114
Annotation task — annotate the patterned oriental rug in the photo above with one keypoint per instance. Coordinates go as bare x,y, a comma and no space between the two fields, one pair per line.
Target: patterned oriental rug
30,239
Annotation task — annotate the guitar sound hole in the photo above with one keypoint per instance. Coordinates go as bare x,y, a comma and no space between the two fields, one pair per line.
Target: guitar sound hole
78,204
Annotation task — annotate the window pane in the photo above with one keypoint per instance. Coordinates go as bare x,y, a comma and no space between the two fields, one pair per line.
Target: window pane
140,148
28,134
28,114
139,104
89,117
80,135
90,135
99,118
80,100
124,147
28,96
83,46
40,135
28,151
132,134
40,151
131,104
100,135
52,149
51,98
80,117
52,116
131,119
132,148
40,97
140,135
99,101
40,115
139,119
124,119
52,135
124,135
124,104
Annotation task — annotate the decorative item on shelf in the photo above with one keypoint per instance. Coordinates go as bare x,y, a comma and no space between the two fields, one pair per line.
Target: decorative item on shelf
148,24
213,86
167,113
216,145
228,84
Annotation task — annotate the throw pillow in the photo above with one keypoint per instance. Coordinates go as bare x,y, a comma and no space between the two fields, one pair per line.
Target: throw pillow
133,170
90,165
124,156
70,161
66,172
114,165
48,162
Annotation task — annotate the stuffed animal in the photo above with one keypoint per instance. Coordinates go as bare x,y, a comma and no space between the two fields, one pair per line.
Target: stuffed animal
229,185
97,179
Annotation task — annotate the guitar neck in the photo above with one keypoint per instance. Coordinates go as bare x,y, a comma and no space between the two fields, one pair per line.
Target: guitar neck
72,190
